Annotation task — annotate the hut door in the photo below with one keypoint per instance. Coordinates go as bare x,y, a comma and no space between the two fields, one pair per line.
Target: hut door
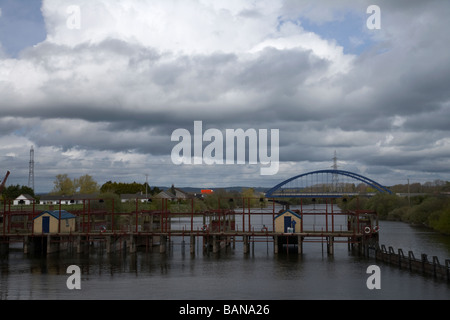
287,223
45,224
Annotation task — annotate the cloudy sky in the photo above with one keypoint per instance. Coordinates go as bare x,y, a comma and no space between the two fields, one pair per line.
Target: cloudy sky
98,87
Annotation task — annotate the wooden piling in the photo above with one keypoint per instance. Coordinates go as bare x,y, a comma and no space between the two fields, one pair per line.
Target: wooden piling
216,244
300,244
26,245
330,245
246,245
275,244
78,244
192,244
162,243
132,244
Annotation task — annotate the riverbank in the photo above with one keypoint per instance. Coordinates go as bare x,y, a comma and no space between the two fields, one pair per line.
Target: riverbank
431,211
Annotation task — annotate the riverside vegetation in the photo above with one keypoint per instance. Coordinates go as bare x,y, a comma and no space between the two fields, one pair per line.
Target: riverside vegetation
432,211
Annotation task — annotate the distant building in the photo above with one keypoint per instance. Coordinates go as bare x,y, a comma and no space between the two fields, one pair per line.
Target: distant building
54,222
66,200
131,197
173,194
23,199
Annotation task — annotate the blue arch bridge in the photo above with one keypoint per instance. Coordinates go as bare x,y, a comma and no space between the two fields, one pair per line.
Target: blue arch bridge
326,184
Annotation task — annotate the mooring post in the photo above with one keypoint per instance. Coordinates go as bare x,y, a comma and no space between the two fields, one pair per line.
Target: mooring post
424,259
246,245
216,246
78,244
300,245
330,246
25,244
108,244
132,244
275,244
192,244
162,243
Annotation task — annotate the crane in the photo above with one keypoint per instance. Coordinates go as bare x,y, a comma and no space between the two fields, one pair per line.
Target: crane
2,185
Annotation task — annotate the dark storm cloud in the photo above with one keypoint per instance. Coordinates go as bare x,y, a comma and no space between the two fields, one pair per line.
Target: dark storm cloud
386,108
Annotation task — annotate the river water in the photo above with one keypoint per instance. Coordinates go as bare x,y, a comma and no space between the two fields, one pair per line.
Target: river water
229,275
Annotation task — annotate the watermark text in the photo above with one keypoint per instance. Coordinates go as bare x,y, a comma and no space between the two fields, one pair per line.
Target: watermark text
374,21
235,151
74,281
73,21
374,280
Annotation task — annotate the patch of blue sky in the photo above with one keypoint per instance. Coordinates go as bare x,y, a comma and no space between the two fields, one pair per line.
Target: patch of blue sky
21,25
349,30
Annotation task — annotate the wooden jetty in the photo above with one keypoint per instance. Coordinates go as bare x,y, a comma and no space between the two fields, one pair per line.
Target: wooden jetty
96,221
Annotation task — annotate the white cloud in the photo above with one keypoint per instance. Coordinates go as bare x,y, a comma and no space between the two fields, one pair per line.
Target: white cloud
292,36
190,26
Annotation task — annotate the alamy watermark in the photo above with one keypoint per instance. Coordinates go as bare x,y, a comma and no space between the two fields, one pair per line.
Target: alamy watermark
74,281
231,150
374,280
374,21
73,21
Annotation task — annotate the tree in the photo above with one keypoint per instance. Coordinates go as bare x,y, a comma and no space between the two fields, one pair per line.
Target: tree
63,185
440,220
86,185
250,198
12,192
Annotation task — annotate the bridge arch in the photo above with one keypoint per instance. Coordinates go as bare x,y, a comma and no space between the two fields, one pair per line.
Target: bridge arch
327,185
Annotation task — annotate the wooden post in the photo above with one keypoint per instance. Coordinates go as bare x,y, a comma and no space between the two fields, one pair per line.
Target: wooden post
246,245
78,243
162,243
108,244
192,244
300,245
25,244
330,245
275,244
216,246
132,244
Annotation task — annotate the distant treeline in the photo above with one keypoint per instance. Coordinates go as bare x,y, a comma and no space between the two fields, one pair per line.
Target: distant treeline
128,188
436,186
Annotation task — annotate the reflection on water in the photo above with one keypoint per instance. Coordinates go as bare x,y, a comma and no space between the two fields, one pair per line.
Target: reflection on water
229,274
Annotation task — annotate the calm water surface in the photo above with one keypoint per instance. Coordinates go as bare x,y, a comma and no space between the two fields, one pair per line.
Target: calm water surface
229,274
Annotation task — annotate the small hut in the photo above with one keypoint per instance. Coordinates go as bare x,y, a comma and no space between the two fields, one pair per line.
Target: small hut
54,222
288,222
